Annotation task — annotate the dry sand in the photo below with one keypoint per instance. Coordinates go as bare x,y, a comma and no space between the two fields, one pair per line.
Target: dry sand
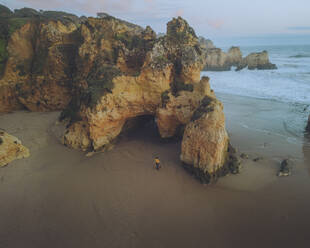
60,198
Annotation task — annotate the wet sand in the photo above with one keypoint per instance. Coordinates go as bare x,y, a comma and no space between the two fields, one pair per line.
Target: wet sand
60,198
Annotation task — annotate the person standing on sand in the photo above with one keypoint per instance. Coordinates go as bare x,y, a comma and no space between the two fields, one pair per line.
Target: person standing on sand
157,165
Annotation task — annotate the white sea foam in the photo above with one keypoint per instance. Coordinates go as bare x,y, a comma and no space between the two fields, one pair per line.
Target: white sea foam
290,83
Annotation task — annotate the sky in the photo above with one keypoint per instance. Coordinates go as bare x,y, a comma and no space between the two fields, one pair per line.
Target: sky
211,19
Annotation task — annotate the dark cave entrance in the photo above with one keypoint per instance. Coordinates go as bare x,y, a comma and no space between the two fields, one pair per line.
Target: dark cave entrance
141,127
140,136
145,127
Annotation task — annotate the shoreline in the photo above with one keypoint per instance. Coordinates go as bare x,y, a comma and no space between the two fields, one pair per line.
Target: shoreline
59,197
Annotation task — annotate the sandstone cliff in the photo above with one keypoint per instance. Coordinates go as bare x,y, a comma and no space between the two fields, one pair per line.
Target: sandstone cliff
37,53
217,60
104,72
206,43
125,72
258,61
11,149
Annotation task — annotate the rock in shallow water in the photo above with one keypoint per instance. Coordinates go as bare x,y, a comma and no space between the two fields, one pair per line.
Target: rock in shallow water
285,169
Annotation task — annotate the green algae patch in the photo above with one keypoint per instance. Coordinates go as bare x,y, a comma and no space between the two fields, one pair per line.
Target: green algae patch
179,85
100,83
7,27
3,55
16,23
165,98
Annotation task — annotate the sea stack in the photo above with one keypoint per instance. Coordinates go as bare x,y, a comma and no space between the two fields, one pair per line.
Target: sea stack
258,61
163,82
218,60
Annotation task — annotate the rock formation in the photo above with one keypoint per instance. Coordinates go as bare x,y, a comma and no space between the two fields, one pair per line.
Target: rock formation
104,72
285,168
11,149
258,61
217,60
308,125
206,43
125,72
234,56
37,53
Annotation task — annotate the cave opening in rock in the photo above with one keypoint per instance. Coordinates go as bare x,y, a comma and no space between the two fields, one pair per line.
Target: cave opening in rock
140,140
141,127
145,127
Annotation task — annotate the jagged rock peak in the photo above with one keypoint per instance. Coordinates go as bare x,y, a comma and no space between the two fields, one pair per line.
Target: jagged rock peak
178,30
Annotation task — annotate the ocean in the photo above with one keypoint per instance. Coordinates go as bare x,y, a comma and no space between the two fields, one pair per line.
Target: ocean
288,85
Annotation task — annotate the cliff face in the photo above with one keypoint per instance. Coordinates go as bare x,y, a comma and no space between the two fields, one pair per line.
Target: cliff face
234,56
104,72
217,60
258,61
11,149
36,62
164,81
127,76
206,43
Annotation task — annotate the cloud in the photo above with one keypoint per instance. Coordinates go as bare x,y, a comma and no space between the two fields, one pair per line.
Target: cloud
216,24
82,6
179,12
302,28
205,22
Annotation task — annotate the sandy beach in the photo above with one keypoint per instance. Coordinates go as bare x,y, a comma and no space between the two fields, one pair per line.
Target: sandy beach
60,198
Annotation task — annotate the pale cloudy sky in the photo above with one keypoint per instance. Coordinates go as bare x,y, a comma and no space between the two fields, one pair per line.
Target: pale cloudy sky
216,18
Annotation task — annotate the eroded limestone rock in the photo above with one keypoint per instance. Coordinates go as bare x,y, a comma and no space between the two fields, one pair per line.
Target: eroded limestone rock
167,86
104,72
218,60
11,149
258,61
37,61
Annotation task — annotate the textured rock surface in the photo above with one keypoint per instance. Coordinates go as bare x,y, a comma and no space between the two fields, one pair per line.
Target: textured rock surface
105,72
37,60
11,149
205,140
164,82
217,60
258,61
206,43
119,89
234,56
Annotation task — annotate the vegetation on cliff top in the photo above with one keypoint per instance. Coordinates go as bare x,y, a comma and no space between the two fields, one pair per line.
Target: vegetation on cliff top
7,27
12,21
